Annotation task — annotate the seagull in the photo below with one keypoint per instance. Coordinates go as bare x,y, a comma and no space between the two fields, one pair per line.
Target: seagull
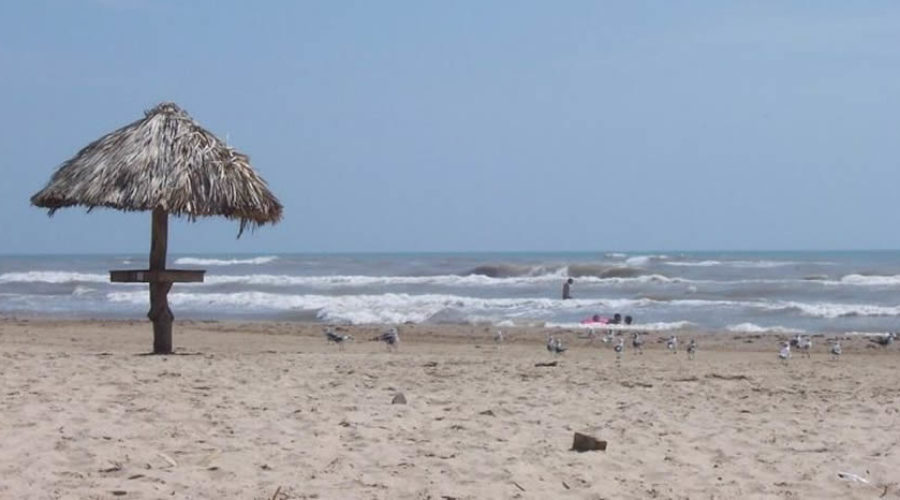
390,337
619,348
637,342
498,337
836,350
691,349
795,342
785,353
672,344
551,343
884,340
805,344
607,338
556,346
336,337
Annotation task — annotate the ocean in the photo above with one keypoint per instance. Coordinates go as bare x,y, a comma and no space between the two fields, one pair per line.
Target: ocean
813,292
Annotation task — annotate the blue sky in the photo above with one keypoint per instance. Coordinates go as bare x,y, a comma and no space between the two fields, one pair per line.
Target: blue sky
471,125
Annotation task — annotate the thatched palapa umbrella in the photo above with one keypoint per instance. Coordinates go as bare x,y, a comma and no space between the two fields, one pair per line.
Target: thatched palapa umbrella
166,163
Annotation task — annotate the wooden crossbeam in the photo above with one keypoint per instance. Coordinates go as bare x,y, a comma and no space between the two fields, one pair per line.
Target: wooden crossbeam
163,276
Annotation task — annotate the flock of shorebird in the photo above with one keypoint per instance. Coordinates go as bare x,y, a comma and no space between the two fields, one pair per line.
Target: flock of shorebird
391,338
802,343
555,346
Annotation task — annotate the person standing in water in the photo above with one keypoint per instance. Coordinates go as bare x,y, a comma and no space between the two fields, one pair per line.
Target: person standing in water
567,289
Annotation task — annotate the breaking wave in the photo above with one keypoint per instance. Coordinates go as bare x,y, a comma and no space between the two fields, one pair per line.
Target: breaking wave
53,277
746,264
597,271
832,311
754,328
554,271
864,280
643,260
658,326
516,270
523,276
194,261
382,308
338,280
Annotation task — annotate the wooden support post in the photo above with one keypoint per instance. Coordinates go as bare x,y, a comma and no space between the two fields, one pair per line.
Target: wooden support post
160,314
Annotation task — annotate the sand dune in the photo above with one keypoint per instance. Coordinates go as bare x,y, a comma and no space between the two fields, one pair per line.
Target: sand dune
251,410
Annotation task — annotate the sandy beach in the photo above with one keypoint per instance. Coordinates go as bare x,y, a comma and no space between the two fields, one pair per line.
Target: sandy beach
272,411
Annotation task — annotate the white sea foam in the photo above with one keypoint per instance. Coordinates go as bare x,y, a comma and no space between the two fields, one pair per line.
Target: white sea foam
643,260
82,290
362,281
399,307
640,260
754,328
862,280
265,300
702,263
448,280
194,261
382,308
761,264
831,310
341,280
657,326
701,303
866,334
53,277
647,278
441,280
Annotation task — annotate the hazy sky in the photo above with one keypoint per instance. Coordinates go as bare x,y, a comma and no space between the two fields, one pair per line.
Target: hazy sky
476,125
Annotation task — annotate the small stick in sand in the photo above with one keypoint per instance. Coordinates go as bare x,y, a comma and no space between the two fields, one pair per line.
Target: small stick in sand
168,459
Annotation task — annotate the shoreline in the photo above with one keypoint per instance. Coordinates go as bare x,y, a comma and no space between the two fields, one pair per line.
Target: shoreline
477,334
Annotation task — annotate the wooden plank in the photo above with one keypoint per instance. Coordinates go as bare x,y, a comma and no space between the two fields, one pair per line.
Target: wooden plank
147,276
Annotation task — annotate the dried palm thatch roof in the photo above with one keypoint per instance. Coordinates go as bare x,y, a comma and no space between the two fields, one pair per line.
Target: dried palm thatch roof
164,160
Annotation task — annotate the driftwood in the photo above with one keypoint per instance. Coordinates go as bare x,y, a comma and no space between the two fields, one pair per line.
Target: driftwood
727,377
636,384
583,442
